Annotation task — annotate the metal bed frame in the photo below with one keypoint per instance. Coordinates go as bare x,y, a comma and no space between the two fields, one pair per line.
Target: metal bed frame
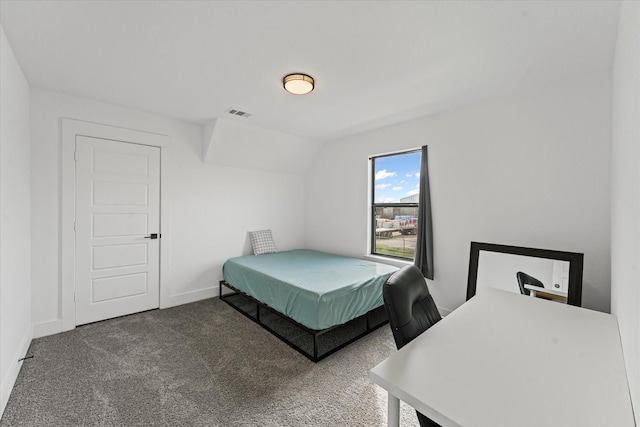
314,356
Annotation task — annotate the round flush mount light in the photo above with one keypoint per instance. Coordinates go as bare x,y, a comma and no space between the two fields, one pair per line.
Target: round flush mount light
298,84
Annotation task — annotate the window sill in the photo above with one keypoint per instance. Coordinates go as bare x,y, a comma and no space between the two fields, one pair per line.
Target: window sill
385,260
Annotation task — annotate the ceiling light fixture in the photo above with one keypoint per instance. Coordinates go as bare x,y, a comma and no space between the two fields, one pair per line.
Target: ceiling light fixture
298,84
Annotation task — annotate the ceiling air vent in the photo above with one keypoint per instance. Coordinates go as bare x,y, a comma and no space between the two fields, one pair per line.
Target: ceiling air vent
238,113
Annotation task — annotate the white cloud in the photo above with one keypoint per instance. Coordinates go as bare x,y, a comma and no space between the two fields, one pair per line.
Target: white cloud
382,186
413,175
396,189
386,199
384,174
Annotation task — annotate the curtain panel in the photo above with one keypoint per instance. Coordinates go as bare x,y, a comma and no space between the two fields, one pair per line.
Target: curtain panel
424,243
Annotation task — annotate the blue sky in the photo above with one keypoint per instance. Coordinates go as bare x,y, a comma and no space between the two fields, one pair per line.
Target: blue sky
396,177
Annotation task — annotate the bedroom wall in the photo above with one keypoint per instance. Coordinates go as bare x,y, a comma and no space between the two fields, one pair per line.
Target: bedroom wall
15,261
211,207
625,197
531,169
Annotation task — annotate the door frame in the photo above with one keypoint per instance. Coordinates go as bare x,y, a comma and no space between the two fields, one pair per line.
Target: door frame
70,129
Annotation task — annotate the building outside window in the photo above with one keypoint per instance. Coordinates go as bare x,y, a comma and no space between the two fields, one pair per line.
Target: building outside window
395,187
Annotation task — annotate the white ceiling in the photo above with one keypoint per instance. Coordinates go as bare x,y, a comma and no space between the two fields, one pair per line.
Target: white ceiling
375,63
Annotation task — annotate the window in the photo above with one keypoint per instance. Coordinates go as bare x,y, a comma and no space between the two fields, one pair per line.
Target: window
395,190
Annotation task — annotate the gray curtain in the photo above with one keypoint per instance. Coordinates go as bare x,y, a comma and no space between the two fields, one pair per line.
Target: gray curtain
424,244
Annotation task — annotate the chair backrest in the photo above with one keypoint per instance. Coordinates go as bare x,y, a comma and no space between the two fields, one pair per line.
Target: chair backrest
525,279
410,307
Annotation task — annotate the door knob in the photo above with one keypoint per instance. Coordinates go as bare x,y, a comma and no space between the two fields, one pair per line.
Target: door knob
152,236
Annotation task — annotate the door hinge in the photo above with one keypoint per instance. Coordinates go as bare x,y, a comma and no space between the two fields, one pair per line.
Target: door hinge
74,226
74,296
74,155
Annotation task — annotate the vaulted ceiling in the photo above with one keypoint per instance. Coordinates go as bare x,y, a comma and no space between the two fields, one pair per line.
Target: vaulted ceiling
375,63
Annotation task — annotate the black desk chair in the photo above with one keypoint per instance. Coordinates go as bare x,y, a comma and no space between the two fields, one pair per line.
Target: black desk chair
411,311
525,279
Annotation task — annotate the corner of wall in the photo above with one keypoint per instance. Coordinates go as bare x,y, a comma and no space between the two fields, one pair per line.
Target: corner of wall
14,369
16,330
207,136
625,191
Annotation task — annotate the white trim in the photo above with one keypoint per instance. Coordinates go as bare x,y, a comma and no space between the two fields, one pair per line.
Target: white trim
369,208
393,153
388,260
192,296
47,328
14,369
370,181
71,128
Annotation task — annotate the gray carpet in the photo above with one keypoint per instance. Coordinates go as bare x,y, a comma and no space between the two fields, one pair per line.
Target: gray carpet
200,364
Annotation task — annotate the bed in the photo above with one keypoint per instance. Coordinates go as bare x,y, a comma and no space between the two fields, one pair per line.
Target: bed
314,301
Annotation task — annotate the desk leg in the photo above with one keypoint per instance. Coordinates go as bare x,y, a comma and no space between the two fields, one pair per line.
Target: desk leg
394,411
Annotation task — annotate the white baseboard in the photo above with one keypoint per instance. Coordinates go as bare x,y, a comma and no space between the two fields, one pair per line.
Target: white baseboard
47,328
52,327
188,297
14,369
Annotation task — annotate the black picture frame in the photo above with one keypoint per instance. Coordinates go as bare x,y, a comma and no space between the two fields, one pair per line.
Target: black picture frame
576,261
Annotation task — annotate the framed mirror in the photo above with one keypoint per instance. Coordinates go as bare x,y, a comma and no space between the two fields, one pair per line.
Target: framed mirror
540,273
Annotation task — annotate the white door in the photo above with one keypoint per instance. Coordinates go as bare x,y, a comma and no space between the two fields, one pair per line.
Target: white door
117,228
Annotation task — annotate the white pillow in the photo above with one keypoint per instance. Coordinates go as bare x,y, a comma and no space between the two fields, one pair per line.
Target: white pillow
262,242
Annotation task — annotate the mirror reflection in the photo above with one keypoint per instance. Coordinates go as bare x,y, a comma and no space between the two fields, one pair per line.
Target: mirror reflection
531,276
538,273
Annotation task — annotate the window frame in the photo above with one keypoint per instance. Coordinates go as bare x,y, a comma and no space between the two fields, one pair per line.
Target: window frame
373,205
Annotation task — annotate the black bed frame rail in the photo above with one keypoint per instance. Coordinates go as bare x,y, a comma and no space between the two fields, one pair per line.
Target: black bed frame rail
370,327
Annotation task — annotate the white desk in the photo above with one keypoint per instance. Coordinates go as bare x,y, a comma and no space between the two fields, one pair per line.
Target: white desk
505,359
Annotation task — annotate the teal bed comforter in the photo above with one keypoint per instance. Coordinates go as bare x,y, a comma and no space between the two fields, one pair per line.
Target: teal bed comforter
313,288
